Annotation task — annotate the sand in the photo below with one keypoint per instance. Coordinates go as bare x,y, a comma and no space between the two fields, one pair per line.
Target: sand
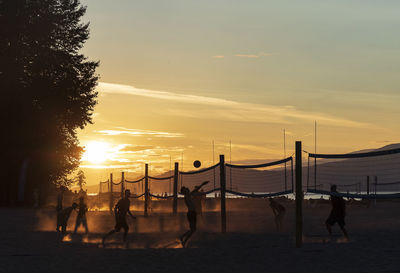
29,243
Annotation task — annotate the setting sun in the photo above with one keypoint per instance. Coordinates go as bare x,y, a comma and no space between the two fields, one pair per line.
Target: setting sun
96,152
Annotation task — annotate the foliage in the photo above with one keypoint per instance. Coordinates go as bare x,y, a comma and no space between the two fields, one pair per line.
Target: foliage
49,90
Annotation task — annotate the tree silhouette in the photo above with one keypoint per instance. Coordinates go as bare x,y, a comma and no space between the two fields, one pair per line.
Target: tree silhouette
80,179
48,92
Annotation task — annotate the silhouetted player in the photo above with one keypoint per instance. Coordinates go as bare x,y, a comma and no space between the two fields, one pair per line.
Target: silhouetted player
120,211
337,214
191,214
279,212
63,216
81,217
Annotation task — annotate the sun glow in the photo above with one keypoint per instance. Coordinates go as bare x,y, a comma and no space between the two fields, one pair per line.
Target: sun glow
96,152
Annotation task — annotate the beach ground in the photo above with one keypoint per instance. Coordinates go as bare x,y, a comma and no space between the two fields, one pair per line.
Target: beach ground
29,243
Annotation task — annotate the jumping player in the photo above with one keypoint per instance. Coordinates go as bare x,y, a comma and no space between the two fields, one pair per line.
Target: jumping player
120,211
81,217
63,216
191,214
279,212
337,214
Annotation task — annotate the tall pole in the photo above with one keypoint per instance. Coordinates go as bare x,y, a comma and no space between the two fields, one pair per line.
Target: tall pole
146,188
176,177
122,184
213,161
367,184
284,155
223,189
111,192
170,169
230,161
315,158
299,196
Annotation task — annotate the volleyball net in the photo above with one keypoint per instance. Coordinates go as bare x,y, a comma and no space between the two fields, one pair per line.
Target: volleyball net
161,187
262,180
136,187
191,179
357,175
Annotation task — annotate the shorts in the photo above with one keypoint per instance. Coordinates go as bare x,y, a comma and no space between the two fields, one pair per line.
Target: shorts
121,223
191,216
332,219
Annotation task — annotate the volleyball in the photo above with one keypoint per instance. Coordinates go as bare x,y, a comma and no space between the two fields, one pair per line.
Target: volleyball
197,164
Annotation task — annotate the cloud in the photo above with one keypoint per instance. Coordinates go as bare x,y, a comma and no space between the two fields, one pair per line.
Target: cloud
247,55
138,132
218,108
129,148
254,56
111,88
219,56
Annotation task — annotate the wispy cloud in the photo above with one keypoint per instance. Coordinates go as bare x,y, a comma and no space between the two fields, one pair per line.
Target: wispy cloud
137,132
253,56
247,55
223,109
219,56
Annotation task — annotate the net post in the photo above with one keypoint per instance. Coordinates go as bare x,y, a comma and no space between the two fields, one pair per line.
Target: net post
315,173
111,192
367,184
308,171
146,189
176,177
376,190
122,184
291,163
299,197
223,191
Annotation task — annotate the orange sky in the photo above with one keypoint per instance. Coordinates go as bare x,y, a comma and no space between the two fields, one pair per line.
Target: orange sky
172,83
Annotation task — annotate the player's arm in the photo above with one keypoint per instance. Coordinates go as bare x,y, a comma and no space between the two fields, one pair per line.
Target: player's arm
130,213
197,188
116,208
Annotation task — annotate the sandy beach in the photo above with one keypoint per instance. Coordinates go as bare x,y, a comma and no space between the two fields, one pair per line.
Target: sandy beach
29,243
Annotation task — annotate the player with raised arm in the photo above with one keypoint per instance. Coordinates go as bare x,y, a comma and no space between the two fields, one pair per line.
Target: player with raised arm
120,211
191,214
279,212
337,214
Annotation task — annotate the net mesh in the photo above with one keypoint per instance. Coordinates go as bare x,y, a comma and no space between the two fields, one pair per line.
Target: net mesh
262,180
135,185
161,186
356,174
191,179
104,187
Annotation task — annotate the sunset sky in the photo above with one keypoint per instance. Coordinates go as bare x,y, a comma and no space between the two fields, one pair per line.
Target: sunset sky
178,75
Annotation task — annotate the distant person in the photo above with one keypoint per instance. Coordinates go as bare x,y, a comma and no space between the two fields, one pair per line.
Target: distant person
63,216
191,214
81,217
120,211
337,214
60,199
279,213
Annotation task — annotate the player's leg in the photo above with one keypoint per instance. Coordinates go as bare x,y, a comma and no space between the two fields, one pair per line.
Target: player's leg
341,224
329,223
192,223
84,221
77,223
126,230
